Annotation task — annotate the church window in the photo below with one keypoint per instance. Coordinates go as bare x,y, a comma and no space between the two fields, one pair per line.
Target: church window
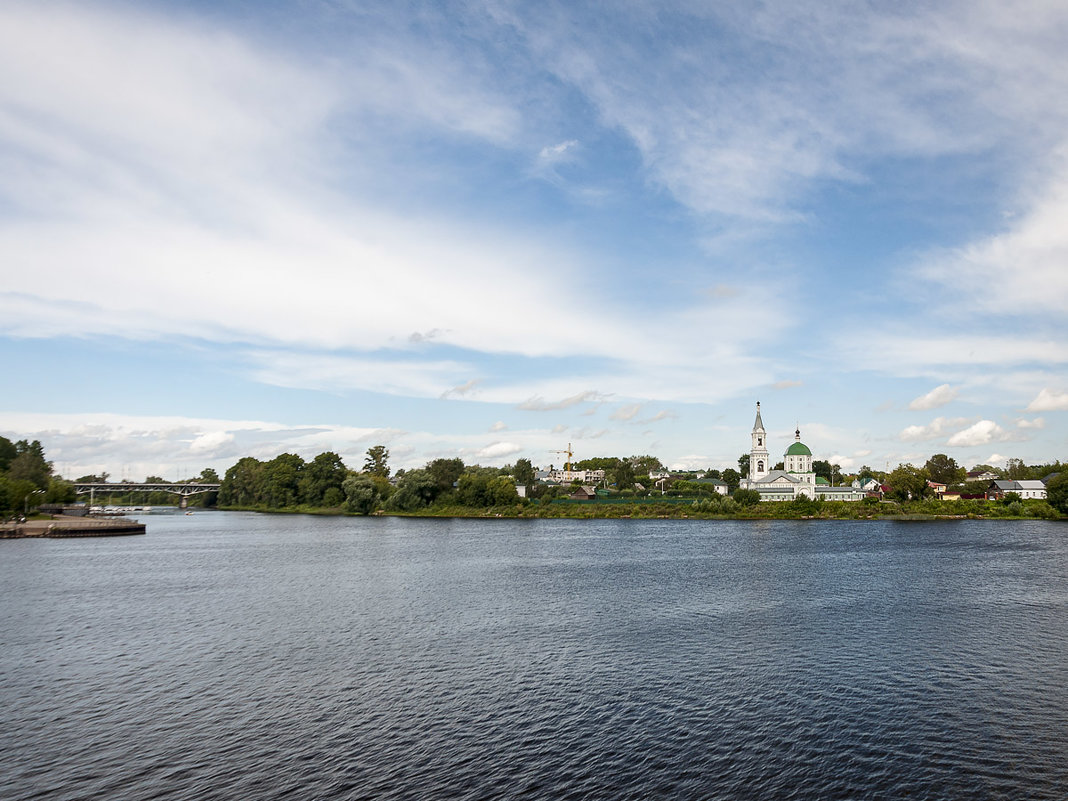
759,442
760,467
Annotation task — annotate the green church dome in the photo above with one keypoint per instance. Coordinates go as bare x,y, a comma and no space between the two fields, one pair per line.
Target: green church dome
798,449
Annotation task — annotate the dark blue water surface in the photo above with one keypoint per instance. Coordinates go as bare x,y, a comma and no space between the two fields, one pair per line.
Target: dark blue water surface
232,655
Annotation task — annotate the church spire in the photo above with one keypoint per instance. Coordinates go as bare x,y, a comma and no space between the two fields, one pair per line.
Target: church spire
758,454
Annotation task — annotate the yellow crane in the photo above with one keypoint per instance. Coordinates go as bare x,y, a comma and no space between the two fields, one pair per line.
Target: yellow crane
569,453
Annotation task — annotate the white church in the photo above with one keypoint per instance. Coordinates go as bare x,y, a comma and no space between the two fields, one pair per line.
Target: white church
798,477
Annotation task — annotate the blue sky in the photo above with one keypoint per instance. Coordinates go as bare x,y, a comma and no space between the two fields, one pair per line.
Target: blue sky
490,229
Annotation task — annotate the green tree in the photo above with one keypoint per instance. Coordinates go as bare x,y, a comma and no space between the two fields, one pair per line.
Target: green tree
731,478
377,461
1015,469
823,469
908,482
644,465
445,472
743,465
746,497
606,463
59,491
243,484
7,453
944,469
474,489
524,472
1057,492
22,494
323,473
416,490
623,475
503,492
361,493
30,464
281,480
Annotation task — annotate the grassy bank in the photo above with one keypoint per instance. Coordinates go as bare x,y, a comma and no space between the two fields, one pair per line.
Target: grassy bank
718,509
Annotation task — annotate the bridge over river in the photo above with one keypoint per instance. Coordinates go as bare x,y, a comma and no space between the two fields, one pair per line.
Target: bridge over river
183,491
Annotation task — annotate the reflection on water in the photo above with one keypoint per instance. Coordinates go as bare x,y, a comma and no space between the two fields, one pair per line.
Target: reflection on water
233,655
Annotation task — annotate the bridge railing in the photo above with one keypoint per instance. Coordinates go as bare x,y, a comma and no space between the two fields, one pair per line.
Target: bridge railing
172,488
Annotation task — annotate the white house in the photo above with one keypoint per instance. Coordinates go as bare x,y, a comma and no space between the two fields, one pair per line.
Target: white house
1028,488
868,484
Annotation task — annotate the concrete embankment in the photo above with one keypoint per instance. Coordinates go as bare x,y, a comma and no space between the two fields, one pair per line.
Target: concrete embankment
59,526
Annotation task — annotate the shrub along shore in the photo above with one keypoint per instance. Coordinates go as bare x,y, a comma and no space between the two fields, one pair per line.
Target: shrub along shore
725,508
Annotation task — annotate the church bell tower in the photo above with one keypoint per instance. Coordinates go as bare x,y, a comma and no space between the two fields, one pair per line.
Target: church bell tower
758,454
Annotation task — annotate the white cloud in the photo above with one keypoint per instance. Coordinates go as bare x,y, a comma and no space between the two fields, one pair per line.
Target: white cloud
202,168
392,376
211,442
1038,422
748,139
845,462
981,433
1049,400
939,396
174,447
498,450
787,384
938,427
552,156
1021,269
500,425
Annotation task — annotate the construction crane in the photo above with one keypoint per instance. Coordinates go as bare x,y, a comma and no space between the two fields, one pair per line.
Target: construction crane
569,453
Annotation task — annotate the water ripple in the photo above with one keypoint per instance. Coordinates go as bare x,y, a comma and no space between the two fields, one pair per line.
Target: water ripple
245,656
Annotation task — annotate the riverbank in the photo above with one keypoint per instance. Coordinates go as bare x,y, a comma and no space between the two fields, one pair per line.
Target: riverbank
681,508
59,526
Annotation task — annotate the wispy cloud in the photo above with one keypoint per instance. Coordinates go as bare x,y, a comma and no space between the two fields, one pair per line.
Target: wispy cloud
626,412
537,404
461,390
663,414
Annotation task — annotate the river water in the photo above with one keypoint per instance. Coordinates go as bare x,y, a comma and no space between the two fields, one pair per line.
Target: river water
244,656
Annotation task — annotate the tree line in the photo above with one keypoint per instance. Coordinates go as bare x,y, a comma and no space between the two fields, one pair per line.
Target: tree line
288,482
